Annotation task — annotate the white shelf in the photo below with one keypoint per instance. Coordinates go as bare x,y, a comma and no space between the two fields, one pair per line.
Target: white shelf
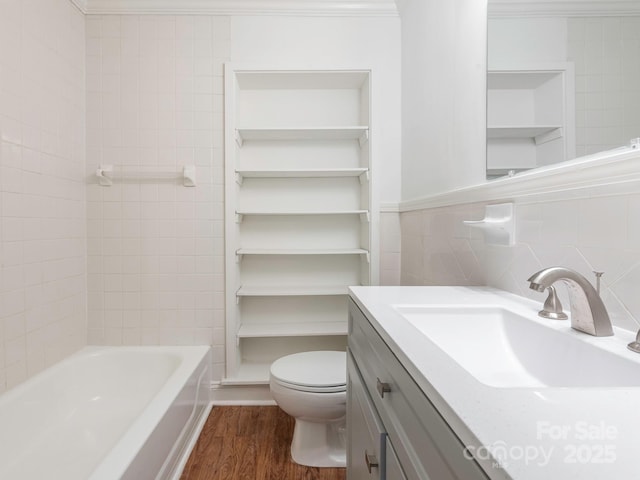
301,251
303,212
364,214
360,133
290,291
302,173
519,131
299,329
538,133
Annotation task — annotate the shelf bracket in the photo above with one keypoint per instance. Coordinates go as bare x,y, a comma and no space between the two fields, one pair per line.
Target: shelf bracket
367,256
364,138
547,137
239,217
364,177
239,178
238,257
238,136
238,296
364,217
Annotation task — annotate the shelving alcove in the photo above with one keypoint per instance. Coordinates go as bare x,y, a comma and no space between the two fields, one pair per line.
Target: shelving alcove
299,215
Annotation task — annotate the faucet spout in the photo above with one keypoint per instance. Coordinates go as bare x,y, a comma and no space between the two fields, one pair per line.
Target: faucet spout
588,313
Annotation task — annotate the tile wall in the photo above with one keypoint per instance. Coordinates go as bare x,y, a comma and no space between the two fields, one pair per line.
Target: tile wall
587,232
390,245
606,53
42,186
155,248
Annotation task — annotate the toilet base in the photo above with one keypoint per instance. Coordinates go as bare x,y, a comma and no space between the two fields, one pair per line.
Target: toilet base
319,444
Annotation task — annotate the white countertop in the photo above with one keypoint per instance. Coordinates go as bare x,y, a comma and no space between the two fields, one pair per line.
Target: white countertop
538,433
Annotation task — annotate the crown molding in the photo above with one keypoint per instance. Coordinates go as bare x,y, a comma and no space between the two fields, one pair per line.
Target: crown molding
562,8
241,7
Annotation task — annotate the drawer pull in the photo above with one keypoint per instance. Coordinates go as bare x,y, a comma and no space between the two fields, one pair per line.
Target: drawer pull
371,461
382,387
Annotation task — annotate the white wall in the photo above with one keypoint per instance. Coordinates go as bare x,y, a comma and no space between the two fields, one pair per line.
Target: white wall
155,100
443,95
526,41
42,203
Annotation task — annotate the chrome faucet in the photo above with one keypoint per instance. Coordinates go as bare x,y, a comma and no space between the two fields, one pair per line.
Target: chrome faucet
588,313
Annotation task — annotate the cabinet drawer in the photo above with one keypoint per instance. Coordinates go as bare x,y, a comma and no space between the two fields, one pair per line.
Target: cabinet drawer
366,435
392,467
426,446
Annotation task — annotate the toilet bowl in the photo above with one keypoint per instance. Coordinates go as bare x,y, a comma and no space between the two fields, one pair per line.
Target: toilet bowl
311,387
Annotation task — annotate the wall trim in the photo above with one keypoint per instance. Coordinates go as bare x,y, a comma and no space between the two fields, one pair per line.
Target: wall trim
389,207
563,8
588,176
222,394
80,5
242,7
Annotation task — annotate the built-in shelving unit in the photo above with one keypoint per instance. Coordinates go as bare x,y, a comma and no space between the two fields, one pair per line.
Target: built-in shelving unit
299,216
530,117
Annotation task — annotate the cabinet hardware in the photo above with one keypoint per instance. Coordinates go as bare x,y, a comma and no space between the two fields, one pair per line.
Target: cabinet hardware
382,387
371,461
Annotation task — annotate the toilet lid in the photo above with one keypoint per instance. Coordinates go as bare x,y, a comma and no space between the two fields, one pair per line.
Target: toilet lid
315,370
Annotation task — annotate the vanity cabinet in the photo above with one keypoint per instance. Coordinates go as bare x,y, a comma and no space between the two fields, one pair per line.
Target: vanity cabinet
414,441
299,216
367,440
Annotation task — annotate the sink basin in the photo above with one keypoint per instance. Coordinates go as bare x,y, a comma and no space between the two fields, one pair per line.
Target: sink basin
504,349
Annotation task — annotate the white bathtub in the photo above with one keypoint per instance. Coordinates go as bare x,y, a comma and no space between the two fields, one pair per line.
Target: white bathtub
106,413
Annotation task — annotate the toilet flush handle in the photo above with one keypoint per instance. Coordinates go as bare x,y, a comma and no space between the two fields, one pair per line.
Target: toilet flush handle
382,387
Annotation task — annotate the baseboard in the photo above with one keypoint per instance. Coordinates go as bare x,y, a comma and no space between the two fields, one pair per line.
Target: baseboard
240,394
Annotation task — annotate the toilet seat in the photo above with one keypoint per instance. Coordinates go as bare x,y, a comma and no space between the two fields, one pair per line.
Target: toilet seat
314,372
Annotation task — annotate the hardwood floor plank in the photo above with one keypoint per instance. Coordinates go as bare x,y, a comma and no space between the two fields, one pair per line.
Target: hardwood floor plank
249,443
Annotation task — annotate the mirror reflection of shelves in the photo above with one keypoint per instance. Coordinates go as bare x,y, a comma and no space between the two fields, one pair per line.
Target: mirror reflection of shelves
530,117
299,217
538,133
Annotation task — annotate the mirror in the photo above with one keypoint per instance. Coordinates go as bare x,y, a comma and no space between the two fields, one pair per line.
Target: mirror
563,81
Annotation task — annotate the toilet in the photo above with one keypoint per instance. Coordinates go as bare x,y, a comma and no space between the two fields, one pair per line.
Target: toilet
311,387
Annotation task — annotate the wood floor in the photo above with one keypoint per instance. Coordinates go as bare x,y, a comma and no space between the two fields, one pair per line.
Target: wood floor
249,443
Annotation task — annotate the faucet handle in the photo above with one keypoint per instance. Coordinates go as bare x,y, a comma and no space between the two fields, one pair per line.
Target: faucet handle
635,345
552,307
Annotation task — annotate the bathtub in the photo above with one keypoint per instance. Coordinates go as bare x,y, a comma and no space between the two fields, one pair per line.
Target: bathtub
106,413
